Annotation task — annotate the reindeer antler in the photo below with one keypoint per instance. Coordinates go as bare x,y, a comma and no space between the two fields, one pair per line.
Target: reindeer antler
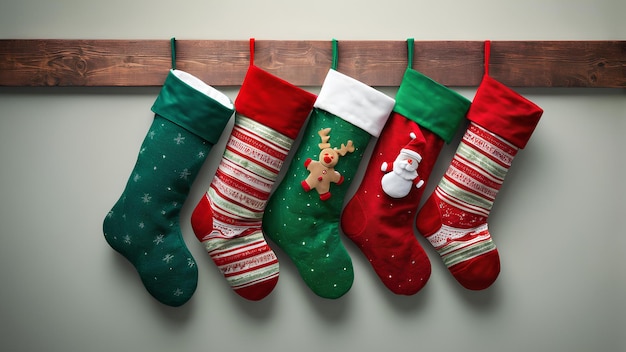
325,137
345,149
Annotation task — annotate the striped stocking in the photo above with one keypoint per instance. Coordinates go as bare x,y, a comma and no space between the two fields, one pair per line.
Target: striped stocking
227,220
454,218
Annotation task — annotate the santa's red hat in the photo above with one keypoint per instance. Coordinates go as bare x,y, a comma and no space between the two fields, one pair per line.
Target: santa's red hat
415,147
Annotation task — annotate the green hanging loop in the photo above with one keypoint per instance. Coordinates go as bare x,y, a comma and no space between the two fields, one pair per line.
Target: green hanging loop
173,48
411,48
334,64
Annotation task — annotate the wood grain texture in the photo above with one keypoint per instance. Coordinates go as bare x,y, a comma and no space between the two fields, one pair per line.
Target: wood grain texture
305,63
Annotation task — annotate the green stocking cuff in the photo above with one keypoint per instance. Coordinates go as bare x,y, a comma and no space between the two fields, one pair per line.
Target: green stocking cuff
430,104
193,105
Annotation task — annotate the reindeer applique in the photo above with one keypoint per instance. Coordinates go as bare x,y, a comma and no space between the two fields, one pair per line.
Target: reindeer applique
322,173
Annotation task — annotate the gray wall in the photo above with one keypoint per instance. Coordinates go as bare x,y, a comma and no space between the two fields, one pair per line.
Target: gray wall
66,153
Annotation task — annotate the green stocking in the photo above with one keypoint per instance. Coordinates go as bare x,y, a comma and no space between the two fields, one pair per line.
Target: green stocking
302,215
143,225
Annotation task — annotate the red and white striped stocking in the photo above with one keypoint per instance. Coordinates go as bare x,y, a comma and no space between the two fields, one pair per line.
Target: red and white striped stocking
454,218
227,220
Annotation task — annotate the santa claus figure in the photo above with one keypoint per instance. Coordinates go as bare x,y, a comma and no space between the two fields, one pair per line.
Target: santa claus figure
401,177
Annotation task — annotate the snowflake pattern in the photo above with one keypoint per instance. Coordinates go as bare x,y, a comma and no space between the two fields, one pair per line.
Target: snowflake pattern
158,239
146,198
168,258
184,174
179,139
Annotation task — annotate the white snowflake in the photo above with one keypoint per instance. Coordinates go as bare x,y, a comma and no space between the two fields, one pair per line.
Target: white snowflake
110,214
136,178
142,225
142,150
127,239
201,154
178,292
159,239
184,174
151,134
168,258
179,139
146,198
190,262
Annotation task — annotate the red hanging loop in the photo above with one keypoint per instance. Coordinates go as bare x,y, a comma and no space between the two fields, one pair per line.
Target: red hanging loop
251,51
487,55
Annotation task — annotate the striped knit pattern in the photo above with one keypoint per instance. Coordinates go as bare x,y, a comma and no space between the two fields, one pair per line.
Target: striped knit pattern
238,194
466,194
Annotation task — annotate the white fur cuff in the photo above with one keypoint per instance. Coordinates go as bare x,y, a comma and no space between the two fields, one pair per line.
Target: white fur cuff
354,102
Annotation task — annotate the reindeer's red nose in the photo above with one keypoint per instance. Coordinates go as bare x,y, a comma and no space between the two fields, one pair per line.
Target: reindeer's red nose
328,159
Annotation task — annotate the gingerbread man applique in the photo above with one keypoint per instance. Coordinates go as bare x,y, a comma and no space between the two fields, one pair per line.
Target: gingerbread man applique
322,173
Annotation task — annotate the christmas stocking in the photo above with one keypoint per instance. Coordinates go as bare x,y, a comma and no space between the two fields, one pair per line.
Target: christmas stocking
454,218
379,218
270,113
144,223
302,215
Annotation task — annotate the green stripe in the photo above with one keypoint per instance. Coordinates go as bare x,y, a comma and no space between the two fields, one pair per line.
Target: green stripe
468,252
233,208
264,131
481,160
253,275
467,197
229,243
250,166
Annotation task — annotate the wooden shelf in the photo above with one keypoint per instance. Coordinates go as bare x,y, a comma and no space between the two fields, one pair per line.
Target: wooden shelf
305,63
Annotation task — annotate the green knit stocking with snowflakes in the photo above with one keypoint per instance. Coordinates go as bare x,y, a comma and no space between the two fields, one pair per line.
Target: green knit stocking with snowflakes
143,225
302,215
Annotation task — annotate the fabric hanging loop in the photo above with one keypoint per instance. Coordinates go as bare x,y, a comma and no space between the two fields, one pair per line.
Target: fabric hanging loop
173,49
251,51
487,55
334,63
410,48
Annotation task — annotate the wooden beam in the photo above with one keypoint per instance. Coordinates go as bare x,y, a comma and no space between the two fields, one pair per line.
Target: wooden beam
305,63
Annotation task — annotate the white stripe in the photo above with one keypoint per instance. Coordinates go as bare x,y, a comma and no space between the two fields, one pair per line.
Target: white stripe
456,246
460,204
227,248
273,269
482,171
259,137
251,179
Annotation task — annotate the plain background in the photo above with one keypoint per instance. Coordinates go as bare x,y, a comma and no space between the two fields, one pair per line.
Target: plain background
66,154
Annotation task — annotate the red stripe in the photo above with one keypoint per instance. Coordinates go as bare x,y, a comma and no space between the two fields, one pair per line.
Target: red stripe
229,198
259,142
493,139
463,165
241,186
226,258
476,191
257,159
255,180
